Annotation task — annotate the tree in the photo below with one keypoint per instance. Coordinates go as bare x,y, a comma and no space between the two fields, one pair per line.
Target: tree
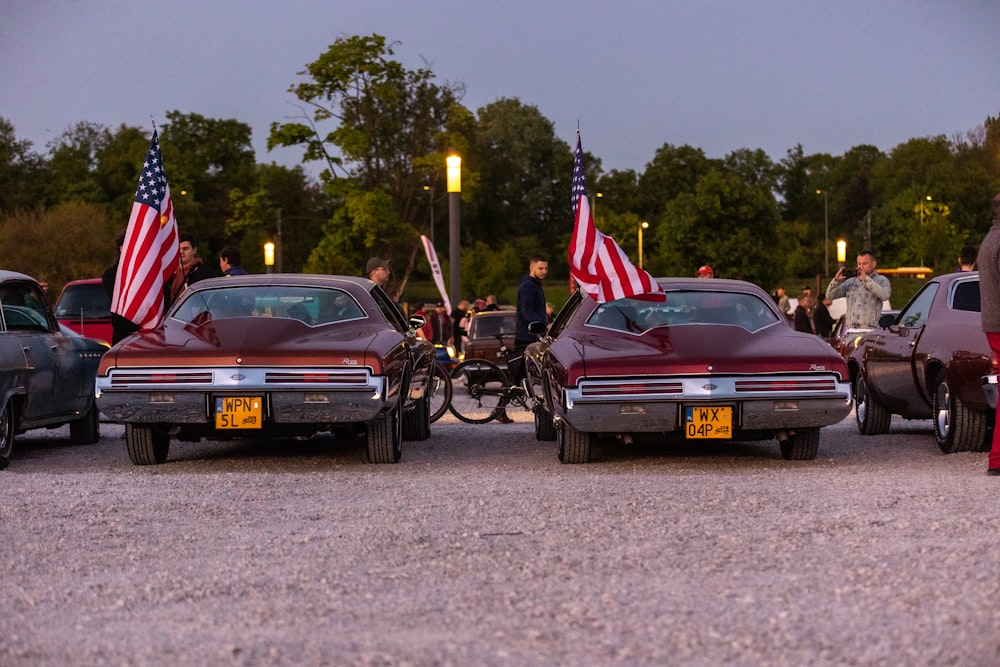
393,129
20,171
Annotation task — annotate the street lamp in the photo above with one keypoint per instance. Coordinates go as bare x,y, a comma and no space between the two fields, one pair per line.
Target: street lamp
826,232
430,190
454,163
643,225
842,252
597,195
269,256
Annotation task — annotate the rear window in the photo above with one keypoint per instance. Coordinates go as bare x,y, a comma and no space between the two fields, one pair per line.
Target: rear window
684,308
88,301
966,296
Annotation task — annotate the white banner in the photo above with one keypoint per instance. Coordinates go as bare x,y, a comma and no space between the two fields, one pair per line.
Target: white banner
436,268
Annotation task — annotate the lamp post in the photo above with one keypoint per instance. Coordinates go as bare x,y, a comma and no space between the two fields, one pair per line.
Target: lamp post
642,225
454,163
842,252
429,189
269,257
928,198
826,232
597,195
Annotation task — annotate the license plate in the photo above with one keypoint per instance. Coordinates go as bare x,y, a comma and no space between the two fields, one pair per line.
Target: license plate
238,412
708,422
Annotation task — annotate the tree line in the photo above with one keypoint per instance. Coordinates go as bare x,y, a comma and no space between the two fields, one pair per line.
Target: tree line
381,133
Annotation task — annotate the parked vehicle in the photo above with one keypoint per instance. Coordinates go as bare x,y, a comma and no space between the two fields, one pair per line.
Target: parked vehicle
483,331
927,362
85,308
272,356
46,371
716,361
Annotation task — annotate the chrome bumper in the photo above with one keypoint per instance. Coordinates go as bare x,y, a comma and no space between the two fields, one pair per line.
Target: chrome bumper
291,396
656,405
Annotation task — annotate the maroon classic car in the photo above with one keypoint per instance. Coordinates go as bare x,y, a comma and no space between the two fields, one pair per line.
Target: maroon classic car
716,360
271,356
927,362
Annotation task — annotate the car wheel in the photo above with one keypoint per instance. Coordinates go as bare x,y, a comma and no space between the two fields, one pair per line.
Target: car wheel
872,417
956,427
86,431
801,445
6,435
574,446
545,429
147,444
385,436
417,422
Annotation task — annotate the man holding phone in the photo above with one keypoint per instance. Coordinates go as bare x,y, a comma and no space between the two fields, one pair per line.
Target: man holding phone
865,290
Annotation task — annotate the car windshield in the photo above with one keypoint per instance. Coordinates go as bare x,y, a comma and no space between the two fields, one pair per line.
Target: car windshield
692,307
315,306
85,301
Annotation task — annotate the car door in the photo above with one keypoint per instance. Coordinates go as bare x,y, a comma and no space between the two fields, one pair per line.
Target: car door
28,327
890,358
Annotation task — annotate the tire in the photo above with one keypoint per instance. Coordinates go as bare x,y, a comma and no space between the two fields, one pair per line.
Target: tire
477,393
440,388
86,431
802,445
574,446
956,427
385,435
872,417
147,444
6,435
545,429
417,422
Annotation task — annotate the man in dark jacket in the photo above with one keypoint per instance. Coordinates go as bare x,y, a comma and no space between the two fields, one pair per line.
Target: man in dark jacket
190,270
530,308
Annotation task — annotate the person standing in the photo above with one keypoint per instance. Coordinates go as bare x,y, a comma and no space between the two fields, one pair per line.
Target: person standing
865,292
967,258
989,290
230,261
784,304
801,318
491,303
190,270
459,318
705,271
120,326
530,308
822,320
377,271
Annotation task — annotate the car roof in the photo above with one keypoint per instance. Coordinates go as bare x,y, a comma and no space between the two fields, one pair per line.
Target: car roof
84,281
6,275
316,279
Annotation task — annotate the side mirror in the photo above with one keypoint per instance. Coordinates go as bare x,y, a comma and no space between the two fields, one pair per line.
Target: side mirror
886,321
538,328
416,322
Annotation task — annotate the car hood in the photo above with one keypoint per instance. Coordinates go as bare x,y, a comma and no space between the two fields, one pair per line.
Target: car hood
695,349
254,341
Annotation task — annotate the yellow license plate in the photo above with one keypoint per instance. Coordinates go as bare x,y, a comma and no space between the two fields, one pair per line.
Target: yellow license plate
238,412
711,421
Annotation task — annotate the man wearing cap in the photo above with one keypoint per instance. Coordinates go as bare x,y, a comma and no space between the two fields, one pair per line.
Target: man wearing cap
377,270
705,271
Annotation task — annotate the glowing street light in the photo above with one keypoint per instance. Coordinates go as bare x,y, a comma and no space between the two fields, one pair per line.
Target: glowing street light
454,163
643,225
269,256
842,252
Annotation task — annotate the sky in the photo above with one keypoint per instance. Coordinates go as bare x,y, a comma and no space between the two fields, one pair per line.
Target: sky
719,75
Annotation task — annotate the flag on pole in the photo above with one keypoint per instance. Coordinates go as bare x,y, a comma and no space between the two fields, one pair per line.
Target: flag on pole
598,264
150,253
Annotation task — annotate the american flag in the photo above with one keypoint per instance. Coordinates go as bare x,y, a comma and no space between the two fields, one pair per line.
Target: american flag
150,253
598,264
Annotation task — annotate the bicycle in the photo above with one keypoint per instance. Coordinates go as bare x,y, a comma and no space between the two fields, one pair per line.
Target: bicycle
481,390
440,390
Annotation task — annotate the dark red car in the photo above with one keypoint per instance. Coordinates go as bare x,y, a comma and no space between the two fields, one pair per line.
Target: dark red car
272,356
483,331
927,362
716,361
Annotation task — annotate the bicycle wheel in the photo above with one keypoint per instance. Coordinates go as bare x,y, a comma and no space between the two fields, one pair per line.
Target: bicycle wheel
440,392
478,391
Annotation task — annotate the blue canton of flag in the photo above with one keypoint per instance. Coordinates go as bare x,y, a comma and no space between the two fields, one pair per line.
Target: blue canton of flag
152,180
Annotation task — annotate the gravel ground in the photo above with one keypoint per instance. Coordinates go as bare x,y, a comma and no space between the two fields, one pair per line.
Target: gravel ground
479,547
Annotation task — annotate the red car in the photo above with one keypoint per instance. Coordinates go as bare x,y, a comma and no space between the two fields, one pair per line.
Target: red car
84,307
716,361
272,356
927,362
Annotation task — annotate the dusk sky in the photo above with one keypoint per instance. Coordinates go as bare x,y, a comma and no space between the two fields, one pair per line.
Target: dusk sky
718,75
